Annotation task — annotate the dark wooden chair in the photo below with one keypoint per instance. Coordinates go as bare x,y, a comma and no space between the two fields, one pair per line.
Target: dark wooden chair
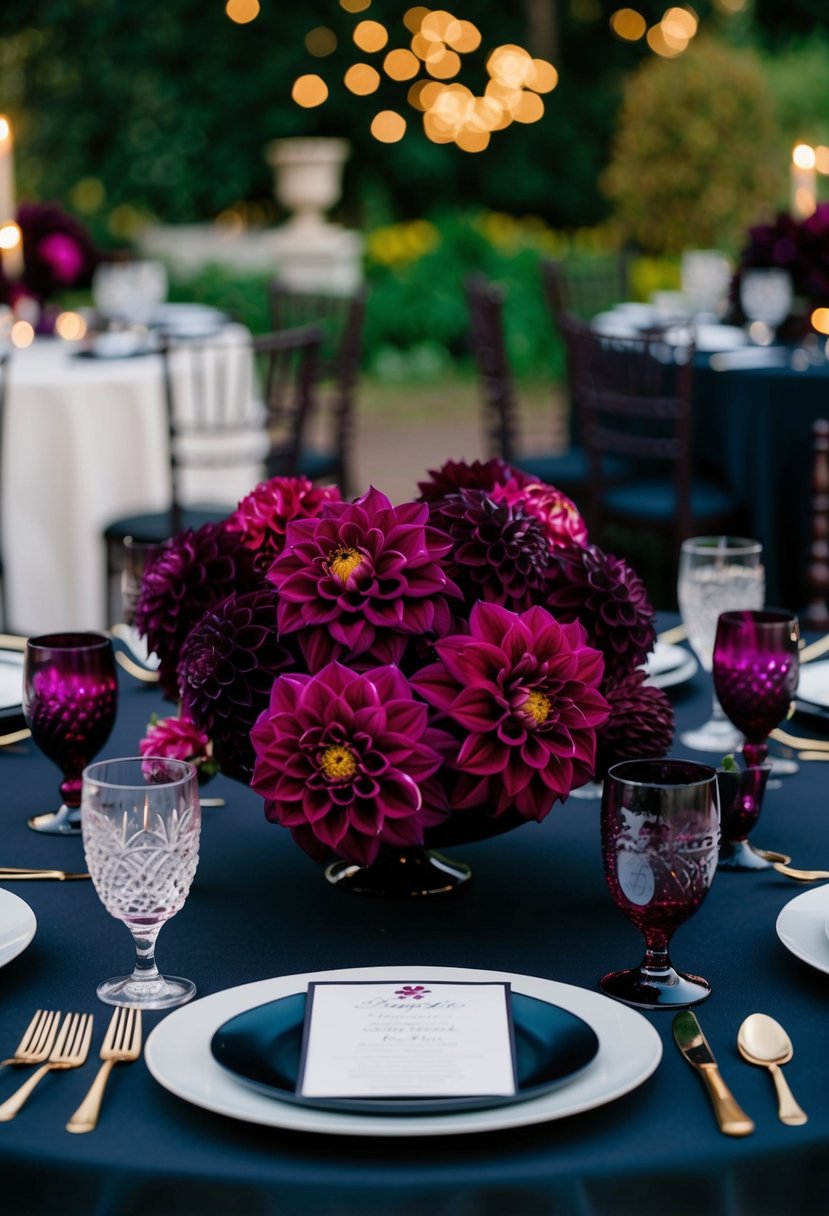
816,613
586,286
341,318
229,405
635,396
566,469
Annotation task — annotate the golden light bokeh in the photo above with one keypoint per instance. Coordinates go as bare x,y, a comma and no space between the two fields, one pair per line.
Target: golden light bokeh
362,79
804,156
370,36
472,141
446,67
70,326
424,93
731,6
628,25
820,320
660,45
242,11
510,65
529,109
543,78
388,126
22,334
822,158
413,17
680,23
401,65
5,128
88,194
355,6
427,49
467,39
10,236
309,91
321,41
440,26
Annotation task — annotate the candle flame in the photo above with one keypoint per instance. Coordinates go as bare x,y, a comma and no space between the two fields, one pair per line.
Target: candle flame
803,156
10,236
5,128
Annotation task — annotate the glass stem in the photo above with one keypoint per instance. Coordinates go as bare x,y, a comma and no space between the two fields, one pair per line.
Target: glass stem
656,952
717,712
144,937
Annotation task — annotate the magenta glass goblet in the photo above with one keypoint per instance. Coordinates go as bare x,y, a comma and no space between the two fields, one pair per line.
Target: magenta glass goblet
70,697
660,836
755,672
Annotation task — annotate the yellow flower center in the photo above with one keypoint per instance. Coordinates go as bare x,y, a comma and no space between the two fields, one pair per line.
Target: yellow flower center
343,562
538,706
338,762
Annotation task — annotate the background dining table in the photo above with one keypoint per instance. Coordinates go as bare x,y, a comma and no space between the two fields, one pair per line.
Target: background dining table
537,905
85,442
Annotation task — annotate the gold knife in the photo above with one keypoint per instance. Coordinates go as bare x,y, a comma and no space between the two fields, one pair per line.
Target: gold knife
690,1040
10,874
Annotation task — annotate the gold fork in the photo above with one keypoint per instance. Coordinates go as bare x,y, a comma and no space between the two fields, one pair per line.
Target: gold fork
121,1045
70,1051
37,1040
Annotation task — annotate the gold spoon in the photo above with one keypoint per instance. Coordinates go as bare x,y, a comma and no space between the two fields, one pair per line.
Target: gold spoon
799,875
764,1042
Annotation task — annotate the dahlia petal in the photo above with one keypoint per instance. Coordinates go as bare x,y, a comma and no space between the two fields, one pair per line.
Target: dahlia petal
480,754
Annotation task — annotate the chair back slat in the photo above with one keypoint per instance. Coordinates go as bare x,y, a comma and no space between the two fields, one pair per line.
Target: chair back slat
585,286
489,349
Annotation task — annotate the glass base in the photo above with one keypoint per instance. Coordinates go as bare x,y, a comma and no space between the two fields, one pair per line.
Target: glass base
716,735
65,822
405,873
740,855
668,989
159,992
593,789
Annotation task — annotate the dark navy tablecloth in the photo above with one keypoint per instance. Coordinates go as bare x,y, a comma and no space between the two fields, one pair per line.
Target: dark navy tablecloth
753,430
537,905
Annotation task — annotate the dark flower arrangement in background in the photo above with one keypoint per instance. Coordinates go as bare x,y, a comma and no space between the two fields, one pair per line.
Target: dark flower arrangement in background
372,670
58,255
800,246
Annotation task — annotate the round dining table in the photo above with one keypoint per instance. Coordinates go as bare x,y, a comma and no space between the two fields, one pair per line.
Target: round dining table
537,909
85,442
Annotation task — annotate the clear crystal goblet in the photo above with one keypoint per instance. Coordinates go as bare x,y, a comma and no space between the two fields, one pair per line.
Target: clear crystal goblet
141,820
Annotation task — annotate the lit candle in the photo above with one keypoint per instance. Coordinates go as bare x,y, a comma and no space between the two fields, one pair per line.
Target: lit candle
8,209
11,250
804,181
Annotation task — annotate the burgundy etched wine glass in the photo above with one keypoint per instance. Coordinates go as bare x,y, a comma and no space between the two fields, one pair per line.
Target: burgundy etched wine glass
660,837
70,697
755,672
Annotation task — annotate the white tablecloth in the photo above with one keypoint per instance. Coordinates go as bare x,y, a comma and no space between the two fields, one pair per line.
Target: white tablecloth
85,442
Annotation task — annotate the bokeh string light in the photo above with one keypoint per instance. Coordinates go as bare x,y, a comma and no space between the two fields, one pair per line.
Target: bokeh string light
429,63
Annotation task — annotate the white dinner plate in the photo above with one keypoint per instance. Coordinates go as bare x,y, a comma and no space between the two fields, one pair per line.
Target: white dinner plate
711,338
669,665
813,684
801,927
178,1056
11,679
17,926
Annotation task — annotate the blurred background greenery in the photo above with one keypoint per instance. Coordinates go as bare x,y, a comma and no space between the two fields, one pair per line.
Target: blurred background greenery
129,114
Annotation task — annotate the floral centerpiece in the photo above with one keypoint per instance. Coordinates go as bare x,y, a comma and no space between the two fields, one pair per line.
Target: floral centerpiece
799,246
58,255
391,676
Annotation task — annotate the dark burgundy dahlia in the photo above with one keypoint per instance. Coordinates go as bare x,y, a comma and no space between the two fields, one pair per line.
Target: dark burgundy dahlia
227,667
344,759
641,722
499,551
524,691
457,475
610,600
563,522
361,579
194,571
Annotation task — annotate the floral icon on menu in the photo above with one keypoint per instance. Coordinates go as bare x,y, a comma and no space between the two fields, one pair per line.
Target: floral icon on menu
415,992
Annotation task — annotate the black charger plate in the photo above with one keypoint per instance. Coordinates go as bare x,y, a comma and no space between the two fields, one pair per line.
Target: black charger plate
262,1047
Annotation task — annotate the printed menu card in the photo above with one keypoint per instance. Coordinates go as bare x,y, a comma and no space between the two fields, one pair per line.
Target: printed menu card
392,1039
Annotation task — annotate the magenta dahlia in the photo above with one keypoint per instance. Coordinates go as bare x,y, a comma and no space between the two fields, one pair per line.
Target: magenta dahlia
192,572
524,689
641,721
499,551
179,739
562,520
226,669
457,475
344,759
263,515
361,579
609,599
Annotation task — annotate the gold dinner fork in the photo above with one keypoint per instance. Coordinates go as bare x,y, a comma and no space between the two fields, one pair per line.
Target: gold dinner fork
121,1045
37,1040
70,1051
